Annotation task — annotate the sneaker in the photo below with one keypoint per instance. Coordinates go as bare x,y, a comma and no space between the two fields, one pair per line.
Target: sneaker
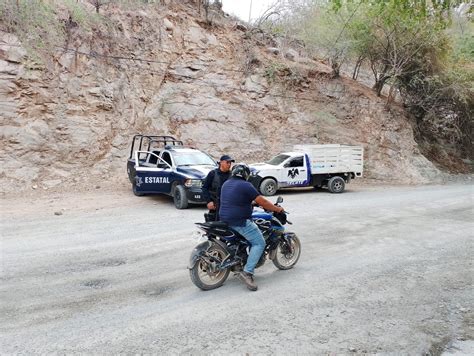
247,278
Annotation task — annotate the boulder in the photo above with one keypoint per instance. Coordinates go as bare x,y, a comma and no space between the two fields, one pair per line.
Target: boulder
168,25
273,50
291,54
241,27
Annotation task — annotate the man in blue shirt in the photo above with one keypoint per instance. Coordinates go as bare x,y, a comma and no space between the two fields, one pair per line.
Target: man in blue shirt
236,210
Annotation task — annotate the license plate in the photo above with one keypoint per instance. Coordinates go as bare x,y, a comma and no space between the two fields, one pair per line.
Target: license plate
197,197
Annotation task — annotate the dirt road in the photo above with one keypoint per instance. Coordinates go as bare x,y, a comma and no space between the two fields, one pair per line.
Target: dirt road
383,270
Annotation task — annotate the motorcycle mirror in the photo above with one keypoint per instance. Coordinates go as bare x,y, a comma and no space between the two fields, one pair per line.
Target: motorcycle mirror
279,200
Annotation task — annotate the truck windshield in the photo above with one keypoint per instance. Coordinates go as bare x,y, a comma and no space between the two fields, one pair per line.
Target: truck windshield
275,161
192,159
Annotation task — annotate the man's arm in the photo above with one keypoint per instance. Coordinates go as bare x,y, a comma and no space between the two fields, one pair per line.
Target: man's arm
206,185
268,205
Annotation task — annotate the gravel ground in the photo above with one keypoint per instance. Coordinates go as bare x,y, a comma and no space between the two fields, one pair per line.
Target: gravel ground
383,270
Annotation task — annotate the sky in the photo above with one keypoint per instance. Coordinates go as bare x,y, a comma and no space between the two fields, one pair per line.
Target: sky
240,8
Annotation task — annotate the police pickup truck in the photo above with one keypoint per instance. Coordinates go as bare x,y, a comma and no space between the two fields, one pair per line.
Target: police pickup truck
163,165
326,166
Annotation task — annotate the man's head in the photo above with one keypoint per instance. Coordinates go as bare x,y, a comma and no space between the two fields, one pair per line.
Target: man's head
225,163
241,170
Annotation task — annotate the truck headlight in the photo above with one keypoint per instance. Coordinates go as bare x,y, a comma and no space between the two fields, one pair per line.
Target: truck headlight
193,183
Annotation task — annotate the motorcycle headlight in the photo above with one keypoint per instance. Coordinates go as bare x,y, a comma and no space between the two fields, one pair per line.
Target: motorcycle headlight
193,183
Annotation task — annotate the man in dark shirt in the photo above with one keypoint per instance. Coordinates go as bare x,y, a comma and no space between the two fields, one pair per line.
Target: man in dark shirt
211,188
236,210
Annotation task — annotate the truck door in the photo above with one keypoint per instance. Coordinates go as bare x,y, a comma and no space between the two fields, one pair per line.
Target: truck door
294,172
153,176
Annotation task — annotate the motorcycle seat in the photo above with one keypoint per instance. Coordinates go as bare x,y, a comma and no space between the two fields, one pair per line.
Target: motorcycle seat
216,224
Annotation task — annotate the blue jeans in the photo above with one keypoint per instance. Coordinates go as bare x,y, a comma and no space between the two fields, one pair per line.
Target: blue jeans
253,235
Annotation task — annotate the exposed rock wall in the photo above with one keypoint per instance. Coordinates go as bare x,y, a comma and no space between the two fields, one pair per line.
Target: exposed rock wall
208,85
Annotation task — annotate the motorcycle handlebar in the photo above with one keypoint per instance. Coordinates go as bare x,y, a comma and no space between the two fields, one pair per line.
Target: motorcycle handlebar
284,212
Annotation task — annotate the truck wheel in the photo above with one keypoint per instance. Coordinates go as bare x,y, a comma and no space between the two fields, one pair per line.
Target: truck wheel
268,187
179,197
336,185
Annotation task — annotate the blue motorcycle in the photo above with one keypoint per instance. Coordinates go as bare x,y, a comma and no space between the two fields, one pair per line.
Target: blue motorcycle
224,250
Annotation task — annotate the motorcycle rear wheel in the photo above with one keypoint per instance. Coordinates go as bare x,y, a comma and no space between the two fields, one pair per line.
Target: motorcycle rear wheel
287,254
205,275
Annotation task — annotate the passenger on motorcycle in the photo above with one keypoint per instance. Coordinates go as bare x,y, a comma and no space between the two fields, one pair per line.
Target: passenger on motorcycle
236,207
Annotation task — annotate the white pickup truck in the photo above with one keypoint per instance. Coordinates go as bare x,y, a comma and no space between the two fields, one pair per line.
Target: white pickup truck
327,166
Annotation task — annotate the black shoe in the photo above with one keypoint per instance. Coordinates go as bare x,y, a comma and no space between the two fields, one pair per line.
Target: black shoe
247,278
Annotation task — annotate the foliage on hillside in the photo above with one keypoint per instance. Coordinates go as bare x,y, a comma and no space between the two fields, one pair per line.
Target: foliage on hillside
423,51
44,27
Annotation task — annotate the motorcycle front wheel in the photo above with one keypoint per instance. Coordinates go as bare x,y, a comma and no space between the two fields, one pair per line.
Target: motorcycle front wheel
287,253
205,273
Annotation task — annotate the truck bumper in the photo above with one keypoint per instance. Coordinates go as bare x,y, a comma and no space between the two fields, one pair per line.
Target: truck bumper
195,195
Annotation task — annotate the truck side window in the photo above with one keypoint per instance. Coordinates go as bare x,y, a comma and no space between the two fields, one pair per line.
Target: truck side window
152,158
295,162
167,158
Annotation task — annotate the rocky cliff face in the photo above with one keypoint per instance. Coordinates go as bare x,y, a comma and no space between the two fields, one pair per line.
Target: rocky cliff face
167,71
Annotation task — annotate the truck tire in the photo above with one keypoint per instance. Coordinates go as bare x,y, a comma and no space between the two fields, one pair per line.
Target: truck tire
268,187
179,197
336,185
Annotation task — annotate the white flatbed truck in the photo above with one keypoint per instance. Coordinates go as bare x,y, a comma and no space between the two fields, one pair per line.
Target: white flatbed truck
328,166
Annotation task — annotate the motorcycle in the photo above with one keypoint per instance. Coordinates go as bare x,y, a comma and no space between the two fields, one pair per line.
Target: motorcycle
224,250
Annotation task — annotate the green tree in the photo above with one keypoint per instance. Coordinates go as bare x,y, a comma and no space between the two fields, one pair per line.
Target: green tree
394,36
425,50
323,31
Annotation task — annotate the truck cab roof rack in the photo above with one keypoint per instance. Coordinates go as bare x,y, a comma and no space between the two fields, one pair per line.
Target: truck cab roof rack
146,142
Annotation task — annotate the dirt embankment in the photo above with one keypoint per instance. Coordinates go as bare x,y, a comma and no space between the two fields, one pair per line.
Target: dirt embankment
165,70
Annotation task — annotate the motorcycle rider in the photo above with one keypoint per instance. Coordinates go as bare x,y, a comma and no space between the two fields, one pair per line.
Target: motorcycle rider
236,208
211,188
